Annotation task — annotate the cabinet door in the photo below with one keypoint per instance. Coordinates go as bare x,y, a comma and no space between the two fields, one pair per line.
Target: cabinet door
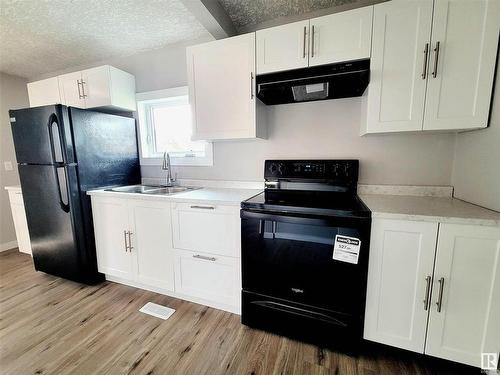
111,222
208,228
341,36
44,92
96,87
214,279
467,286
20,222
283,47
462,68
396,93
152,243
70,88
399,279
221,78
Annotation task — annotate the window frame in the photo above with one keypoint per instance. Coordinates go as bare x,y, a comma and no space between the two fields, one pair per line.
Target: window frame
145,102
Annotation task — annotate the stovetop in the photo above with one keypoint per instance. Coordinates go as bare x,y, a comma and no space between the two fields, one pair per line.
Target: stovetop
308,202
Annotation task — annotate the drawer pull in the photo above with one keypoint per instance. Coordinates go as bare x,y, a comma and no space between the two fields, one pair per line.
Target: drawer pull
204,207
212,259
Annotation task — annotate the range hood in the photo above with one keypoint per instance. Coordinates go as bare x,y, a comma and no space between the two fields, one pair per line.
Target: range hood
333,81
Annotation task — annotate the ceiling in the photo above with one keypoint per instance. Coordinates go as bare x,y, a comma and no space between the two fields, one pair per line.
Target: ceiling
40,36
245,13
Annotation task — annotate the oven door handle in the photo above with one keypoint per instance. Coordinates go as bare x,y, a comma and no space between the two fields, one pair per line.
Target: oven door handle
330,221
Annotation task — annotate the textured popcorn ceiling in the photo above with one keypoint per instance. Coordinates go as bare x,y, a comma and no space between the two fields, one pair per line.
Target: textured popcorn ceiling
245,13
42,36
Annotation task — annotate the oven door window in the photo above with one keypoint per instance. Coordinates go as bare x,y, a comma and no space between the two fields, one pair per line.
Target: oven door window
294,261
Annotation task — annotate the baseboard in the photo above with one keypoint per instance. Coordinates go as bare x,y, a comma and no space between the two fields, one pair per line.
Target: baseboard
201,301
8,245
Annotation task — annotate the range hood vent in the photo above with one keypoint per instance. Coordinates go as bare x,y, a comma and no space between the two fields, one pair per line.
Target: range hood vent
340,80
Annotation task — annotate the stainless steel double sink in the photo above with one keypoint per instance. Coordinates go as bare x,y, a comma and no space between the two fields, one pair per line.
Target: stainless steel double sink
151,189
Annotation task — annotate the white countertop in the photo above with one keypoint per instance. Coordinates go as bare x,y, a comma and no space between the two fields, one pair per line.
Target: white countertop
436,209
224,196
13,188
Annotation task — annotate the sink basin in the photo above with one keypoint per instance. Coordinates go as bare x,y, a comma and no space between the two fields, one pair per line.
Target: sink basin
151,189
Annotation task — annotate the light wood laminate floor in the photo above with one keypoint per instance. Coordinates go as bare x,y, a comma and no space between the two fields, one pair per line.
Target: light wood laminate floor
50,325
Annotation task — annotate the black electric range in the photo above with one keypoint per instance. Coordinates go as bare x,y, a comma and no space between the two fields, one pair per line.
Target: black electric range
305,243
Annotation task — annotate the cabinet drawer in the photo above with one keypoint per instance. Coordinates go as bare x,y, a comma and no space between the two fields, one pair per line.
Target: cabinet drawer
208,228
209,277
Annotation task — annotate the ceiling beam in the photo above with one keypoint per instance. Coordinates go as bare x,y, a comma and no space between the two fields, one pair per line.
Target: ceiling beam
212,16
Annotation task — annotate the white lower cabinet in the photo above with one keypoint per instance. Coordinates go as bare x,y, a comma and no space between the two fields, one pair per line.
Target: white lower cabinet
209,277
401,264
465,316
20,221
434,288
135,242
209,228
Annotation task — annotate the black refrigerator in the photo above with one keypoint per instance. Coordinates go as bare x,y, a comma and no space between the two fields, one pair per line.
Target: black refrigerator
62,152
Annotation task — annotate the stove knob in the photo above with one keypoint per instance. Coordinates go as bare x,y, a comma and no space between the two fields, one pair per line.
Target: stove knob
273,168
281,168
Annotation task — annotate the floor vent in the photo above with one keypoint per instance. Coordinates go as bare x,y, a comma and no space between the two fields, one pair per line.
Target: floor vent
159,311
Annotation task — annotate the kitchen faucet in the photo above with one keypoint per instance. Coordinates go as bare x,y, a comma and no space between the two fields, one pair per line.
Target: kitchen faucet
169,181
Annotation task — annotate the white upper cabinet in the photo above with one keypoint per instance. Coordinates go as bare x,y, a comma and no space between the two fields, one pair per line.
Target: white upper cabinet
465,314
70,88
398,66
100,87
462,64
283,47
432,81
221,79
341,37
399,281
44,92
329,39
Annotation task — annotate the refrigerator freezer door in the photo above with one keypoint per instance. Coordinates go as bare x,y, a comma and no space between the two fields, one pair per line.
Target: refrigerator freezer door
42,135
105,148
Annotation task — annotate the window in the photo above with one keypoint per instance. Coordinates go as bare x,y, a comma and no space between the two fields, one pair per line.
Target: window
165,126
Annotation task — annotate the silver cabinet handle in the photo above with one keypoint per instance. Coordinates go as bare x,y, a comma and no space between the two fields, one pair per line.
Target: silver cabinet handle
204,207
251,85
130,247
78,83
436,57
125,239
83,89
312,41
426,56
427,290
212,259
304,46
439,302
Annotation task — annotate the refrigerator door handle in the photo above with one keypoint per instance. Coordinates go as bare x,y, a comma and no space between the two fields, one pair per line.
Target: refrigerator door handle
60,172
56,143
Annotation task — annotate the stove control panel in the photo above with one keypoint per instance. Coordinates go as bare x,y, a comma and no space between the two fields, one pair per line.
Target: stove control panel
344,172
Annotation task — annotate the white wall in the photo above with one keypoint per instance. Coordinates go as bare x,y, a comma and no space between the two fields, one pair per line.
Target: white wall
328,129
476,171
13,95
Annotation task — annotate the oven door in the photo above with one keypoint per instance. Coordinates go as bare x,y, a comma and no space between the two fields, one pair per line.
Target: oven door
292,258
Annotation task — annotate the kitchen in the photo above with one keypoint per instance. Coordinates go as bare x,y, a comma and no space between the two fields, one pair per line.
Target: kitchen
386,174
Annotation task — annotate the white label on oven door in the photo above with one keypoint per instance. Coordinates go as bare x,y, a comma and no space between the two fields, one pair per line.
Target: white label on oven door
346,249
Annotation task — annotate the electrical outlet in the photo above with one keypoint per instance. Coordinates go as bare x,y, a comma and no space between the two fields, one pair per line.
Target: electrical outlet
7,165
